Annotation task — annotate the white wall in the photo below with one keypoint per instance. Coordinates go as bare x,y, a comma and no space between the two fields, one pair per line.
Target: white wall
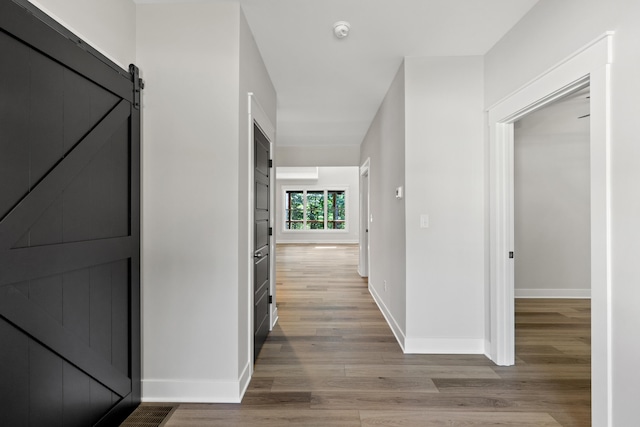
318,156
328,178
384,145
444,158
109,26
189,57
552,201
550,32
517,58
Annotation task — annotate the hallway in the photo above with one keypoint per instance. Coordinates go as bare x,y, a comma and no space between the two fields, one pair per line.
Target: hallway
333,361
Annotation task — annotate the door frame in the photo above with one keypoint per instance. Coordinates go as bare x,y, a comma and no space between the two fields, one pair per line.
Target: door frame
364,261
588,66
258,117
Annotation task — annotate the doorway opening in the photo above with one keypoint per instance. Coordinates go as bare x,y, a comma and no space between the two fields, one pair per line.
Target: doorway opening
262,311
261,247
552,262
552,200
590,66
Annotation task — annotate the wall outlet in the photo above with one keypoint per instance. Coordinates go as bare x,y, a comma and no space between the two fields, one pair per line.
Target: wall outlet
399,192
385,285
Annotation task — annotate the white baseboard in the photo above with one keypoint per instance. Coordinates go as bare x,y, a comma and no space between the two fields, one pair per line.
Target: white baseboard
274,316
194,391
316,242
487,350
391,321
411,345
444,345
553,293
245,379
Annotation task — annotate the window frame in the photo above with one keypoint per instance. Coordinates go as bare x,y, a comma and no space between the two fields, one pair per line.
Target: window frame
311,189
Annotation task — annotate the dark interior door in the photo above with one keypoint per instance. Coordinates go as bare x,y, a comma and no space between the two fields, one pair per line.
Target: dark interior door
261,245
69,228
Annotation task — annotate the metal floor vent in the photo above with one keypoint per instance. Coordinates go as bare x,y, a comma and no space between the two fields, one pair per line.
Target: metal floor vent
147,416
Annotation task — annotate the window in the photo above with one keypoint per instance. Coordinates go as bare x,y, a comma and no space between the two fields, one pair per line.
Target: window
294,210
315,209
335,210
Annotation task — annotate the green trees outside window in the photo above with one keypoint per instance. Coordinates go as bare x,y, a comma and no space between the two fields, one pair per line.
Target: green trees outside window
315,210
294,210
335,210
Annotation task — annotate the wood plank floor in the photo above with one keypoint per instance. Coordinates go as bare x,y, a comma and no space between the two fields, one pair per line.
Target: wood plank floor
333,361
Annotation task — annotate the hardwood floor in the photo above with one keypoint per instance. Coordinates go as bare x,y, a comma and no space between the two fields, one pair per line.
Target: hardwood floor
333,361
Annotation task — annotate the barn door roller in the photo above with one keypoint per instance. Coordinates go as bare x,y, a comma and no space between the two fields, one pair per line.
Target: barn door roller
138,85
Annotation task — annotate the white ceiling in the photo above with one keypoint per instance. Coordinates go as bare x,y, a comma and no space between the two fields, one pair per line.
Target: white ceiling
329,89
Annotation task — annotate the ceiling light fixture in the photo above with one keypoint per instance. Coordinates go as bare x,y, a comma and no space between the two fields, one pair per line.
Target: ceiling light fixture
341,29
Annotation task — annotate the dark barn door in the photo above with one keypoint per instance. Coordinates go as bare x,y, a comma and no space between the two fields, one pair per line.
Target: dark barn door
69,228
261,269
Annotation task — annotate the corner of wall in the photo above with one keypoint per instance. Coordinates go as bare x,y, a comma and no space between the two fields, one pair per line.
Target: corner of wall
388,316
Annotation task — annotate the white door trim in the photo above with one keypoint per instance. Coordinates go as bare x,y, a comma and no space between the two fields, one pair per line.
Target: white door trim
363,264
588,66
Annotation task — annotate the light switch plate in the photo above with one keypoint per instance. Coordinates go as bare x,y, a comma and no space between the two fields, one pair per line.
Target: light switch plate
424,221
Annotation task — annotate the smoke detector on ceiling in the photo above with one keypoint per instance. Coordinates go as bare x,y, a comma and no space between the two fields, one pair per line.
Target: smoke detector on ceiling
341,29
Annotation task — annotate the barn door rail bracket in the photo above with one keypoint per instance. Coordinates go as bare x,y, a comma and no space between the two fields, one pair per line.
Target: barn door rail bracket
138,85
